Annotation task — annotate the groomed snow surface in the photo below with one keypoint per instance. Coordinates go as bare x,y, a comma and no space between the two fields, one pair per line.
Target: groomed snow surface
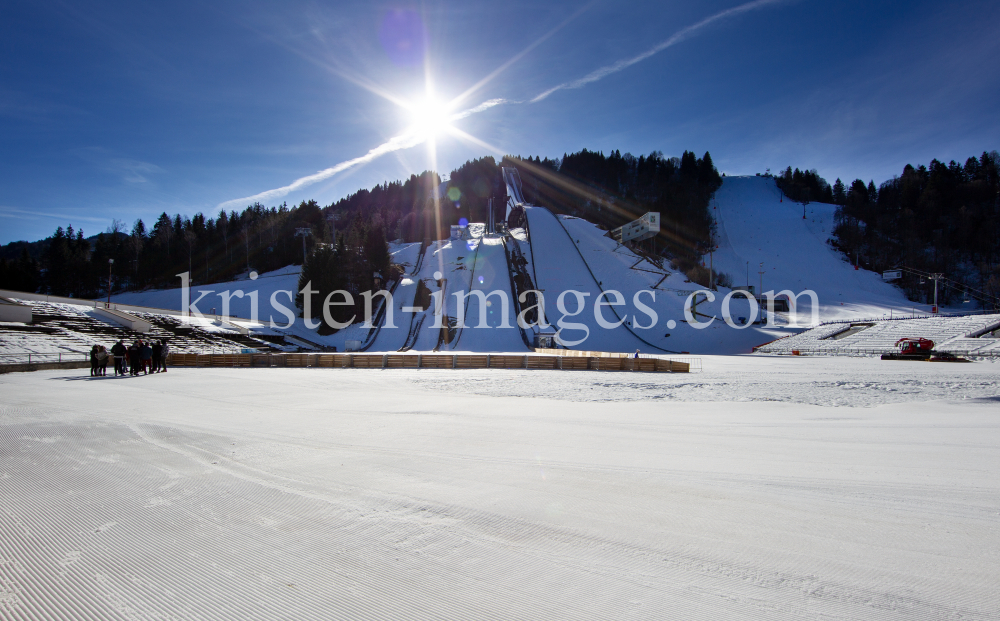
762,488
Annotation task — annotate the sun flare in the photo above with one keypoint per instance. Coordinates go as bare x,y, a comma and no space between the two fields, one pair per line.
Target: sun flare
430,116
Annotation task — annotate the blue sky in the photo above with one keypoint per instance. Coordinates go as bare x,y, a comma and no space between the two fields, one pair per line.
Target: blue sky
125,110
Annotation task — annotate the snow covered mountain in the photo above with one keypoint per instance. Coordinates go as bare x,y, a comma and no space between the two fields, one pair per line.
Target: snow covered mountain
571,260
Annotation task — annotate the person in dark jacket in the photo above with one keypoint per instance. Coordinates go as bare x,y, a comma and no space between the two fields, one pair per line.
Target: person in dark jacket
146,353
157,350
133,358
118,351
128,359
93,361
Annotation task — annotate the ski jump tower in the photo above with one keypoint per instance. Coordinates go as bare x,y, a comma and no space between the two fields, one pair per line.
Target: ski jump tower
514,196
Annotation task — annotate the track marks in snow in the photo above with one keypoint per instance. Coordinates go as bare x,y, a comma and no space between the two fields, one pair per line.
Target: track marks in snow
499,509
225,547
838,387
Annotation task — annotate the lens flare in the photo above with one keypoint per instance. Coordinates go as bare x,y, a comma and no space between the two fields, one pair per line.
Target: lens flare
430,117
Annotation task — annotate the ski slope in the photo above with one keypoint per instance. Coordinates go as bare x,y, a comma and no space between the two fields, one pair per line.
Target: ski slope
611,266
756,226
559,268
484,324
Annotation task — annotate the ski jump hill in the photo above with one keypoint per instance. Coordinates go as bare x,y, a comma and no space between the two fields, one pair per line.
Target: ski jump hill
560,254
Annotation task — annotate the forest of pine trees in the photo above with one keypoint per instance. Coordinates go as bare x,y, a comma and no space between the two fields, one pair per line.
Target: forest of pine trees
804,187
942,218
70,264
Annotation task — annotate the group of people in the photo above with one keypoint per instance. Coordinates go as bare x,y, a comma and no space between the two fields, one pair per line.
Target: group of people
145,356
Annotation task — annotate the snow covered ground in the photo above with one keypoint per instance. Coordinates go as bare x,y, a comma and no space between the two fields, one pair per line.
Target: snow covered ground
764,487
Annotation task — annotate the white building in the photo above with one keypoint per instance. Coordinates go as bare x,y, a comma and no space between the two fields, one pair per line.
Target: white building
645,227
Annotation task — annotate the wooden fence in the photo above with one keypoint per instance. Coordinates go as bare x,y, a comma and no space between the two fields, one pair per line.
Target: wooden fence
436,361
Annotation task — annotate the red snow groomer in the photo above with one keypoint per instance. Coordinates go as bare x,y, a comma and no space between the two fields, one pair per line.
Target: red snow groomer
912,349
920,349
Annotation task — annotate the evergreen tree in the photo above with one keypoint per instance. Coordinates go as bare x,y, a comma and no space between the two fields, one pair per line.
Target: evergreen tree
839,192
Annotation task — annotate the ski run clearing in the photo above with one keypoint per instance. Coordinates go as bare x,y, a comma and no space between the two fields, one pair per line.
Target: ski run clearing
762,488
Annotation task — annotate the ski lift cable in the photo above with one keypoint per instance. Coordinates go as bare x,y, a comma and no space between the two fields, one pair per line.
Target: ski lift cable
985,297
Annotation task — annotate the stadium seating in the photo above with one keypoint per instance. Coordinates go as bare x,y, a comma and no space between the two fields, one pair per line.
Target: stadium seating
968,335
70,328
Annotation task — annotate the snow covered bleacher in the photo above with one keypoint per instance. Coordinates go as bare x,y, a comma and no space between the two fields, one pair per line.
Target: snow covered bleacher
967,335
63,328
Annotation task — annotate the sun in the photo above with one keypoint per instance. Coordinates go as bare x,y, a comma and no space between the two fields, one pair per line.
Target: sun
430,116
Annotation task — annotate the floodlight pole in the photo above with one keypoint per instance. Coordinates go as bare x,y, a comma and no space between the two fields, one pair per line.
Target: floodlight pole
303,232
936,278
711,267
111,262
761,272
331,221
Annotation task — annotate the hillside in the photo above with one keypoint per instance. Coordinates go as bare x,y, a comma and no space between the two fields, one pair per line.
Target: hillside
565,253
756,226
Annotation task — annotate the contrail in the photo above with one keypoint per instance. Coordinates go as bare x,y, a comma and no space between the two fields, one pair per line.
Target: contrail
478,85
410,139
486,105
403,141
679,36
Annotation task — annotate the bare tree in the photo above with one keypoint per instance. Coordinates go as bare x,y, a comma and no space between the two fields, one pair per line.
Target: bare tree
116,228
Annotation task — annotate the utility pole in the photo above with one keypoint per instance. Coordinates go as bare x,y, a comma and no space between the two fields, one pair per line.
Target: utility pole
760,294
711,267
111,262
303,232
711,260
331,222
936,278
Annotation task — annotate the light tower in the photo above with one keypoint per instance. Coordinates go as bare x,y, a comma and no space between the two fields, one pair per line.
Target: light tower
761,272
303,232
111,263
935,278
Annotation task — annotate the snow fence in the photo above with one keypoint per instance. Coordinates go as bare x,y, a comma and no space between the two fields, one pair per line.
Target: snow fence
601,362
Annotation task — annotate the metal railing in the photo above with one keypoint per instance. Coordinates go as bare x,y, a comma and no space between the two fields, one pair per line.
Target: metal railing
30,357
40,357
864,352
901,317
